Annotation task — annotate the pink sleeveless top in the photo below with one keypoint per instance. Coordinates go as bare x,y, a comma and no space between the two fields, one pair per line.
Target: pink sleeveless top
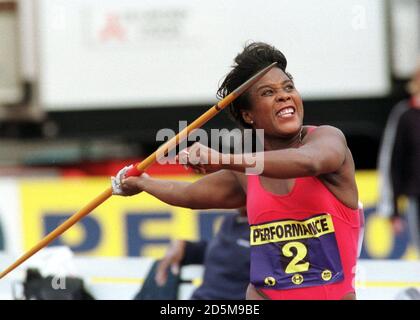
304,244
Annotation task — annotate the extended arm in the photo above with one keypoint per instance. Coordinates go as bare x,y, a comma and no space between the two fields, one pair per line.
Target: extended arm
217,190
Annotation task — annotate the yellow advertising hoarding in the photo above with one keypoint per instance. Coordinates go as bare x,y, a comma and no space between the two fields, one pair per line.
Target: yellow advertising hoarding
143,225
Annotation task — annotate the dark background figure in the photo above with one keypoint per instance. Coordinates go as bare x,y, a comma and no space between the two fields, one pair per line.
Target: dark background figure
226,260
399,162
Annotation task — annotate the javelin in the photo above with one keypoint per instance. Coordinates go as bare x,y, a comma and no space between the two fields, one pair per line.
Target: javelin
138,168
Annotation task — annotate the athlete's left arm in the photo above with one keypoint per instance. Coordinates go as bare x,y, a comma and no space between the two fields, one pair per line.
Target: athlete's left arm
323,151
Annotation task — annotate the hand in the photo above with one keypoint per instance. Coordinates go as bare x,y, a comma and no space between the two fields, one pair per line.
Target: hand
397,225
201,158
123,186
172,259
117,181
134,185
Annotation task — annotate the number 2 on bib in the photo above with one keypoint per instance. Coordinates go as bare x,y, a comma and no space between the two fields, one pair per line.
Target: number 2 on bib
300,253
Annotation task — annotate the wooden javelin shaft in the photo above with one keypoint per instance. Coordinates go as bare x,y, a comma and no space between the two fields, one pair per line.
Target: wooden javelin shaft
139,168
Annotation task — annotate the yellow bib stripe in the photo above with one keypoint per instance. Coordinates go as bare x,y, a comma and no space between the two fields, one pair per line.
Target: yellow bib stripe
291,230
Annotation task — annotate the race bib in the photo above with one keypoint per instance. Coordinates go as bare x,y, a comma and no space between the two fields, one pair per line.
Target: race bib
291,254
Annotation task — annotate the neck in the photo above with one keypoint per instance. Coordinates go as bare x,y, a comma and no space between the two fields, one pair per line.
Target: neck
276,143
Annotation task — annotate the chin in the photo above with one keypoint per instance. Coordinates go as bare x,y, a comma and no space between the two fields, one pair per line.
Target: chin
290,129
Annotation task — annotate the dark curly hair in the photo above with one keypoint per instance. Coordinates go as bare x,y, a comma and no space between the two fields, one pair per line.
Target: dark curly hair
253,58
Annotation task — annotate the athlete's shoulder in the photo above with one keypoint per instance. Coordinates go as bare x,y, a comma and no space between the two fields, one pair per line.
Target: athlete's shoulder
324,131
328,128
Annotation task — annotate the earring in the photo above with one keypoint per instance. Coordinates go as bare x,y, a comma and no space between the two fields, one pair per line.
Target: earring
251,122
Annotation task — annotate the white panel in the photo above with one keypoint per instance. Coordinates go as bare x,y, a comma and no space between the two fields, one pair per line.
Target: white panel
109,53
10,90
386,279
27,39
405,36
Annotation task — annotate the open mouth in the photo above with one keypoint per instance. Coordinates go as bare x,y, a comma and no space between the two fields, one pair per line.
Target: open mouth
286,112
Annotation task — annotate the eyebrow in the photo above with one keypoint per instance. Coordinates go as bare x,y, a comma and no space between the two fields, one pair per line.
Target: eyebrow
273,84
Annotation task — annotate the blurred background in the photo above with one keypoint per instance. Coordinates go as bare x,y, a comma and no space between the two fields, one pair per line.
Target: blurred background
85,85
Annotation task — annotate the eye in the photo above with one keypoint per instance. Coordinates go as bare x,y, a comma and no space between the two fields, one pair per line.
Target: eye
267,92
290,87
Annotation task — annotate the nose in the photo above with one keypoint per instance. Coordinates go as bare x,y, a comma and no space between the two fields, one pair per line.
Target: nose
282,96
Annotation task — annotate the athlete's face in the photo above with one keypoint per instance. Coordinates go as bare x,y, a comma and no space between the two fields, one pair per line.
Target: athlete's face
276,105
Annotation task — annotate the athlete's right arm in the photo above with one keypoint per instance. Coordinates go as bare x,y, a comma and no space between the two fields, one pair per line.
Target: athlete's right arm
220,189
